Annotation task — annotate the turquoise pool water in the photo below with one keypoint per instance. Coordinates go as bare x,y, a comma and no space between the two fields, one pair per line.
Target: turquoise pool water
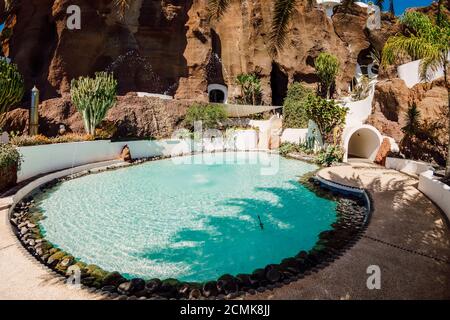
191,221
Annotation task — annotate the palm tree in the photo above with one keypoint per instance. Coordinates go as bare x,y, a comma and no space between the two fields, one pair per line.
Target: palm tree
283,12
427,41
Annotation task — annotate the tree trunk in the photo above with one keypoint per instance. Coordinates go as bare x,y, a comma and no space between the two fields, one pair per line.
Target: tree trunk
447,168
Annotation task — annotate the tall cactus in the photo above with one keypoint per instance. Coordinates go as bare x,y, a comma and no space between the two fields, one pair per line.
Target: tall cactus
11,87
93,97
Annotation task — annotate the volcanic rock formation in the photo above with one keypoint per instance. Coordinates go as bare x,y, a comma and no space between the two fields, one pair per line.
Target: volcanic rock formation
172,47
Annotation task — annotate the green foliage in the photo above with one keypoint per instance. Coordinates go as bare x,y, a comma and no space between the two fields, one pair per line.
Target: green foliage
25,140
362,89
424,40
327,115
93,97
412,126
283,12
294,113
9,156
305,147
251,90
217,8
331,155
210,115
11,87
327,68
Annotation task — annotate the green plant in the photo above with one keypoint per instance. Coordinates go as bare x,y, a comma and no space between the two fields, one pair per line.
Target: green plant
11,87
25,140
327,115
251,92
412,121
283,10
425,40
211,116
9,156
93,97
327,68
288,147
362,89
331,155
294,113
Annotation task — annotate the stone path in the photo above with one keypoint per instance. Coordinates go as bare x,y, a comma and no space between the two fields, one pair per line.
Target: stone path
407,238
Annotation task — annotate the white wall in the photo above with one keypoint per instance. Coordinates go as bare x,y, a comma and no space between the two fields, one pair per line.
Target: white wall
409,72
359,111
366,145
294,135
407,166
437,191
53,157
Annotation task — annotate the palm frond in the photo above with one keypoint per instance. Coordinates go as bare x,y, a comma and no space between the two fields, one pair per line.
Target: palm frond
430,65
217,8
400,46
379,3
122,6
417,22
283,11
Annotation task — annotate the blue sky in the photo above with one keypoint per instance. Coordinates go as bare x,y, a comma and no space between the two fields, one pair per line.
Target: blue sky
400,5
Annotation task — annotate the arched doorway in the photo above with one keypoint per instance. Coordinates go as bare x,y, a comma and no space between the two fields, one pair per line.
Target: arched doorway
363,142
217,93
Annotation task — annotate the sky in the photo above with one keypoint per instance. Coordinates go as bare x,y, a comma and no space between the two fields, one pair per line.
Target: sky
399,5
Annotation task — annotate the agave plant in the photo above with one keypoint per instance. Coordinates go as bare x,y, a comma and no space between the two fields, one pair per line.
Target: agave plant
93,97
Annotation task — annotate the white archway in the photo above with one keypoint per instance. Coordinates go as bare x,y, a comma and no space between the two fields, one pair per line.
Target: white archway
362,141
217,93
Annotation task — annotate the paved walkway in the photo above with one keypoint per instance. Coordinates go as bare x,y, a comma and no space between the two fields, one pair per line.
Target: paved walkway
407,238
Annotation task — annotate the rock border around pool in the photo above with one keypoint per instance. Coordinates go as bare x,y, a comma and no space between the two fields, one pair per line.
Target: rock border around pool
353,213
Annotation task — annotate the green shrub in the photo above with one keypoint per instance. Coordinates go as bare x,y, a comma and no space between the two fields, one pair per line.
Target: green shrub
11,87
23,141
9,156
251,91
327,115
294,113
211,115
327,68
93,97
330,155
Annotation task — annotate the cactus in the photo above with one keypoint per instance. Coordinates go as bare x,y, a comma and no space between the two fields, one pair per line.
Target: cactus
93,97
11,87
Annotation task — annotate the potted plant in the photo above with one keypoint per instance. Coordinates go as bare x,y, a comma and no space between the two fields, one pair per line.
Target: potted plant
10,161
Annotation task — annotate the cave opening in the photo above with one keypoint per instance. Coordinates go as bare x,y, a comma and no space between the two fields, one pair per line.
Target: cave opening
279,84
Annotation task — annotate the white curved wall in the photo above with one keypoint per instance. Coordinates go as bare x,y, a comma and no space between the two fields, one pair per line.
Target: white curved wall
54,157
362,141
436,191
359,111
410,73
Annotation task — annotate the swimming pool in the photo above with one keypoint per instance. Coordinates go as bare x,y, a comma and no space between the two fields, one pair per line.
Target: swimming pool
188,218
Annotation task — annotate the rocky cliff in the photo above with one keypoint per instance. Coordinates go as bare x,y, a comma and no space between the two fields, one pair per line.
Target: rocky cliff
170,46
